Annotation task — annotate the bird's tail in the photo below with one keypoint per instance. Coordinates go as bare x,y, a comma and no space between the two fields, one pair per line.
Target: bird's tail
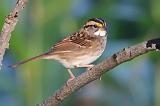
30,59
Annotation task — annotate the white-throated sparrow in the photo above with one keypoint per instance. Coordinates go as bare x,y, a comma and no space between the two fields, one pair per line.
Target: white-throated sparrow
80,48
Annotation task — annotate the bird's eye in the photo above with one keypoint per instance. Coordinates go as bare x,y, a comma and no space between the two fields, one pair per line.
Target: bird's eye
95,26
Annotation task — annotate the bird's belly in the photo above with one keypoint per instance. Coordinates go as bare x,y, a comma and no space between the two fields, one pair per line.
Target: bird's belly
78,61
83,60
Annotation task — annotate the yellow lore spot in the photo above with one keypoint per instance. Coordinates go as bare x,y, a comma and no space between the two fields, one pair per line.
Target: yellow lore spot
99,24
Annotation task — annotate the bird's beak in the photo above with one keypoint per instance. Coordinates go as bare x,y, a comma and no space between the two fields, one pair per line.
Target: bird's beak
104,28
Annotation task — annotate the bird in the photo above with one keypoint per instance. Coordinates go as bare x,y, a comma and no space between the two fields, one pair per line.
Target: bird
79,49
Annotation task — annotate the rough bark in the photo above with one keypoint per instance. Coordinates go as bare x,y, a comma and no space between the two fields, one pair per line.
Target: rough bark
9,25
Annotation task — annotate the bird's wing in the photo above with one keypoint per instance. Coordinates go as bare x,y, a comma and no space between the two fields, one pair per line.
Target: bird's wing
75,42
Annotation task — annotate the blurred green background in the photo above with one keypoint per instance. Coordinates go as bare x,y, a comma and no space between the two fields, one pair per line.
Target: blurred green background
44,22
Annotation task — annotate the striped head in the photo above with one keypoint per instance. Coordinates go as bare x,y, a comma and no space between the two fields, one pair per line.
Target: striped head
96,27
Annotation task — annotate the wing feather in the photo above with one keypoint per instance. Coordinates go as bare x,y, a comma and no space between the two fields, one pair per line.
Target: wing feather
77,41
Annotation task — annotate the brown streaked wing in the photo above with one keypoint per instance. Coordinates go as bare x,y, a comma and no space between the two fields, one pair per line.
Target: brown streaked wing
73,43
65,46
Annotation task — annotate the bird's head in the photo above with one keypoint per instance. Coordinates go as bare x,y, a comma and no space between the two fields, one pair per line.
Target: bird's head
96,27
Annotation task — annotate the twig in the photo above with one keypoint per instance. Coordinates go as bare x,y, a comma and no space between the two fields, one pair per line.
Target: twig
9,25
99,69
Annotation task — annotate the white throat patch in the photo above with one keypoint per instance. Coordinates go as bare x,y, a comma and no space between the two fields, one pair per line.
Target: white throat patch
100,33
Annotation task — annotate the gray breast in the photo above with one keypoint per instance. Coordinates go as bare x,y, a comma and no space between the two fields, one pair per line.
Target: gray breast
100,45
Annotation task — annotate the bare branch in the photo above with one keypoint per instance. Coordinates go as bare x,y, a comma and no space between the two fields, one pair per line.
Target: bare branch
8,27
99,69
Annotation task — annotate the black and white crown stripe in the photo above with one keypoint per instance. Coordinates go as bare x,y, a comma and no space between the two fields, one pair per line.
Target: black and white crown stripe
98,20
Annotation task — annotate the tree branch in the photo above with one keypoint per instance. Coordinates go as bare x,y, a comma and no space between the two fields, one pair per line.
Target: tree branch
9,25
94,73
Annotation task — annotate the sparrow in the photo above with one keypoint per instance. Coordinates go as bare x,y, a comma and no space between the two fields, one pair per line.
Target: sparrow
79,49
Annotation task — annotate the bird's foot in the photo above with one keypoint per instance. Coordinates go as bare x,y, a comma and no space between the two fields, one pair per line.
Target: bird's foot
70,79
71,76
88,66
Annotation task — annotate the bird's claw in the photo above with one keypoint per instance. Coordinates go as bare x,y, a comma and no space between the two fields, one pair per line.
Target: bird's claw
69,80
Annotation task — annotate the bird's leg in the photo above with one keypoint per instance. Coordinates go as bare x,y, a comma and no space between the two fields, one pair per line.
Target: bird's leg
71,75
88,66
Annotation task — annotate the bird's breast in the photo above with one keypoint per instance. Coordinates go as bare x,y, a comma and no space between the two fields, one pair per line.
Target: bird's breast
98,46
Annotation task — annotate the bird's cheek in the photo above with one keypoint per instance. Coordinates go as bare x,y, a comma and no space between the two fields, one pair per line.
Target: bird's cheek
96,33
100,33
